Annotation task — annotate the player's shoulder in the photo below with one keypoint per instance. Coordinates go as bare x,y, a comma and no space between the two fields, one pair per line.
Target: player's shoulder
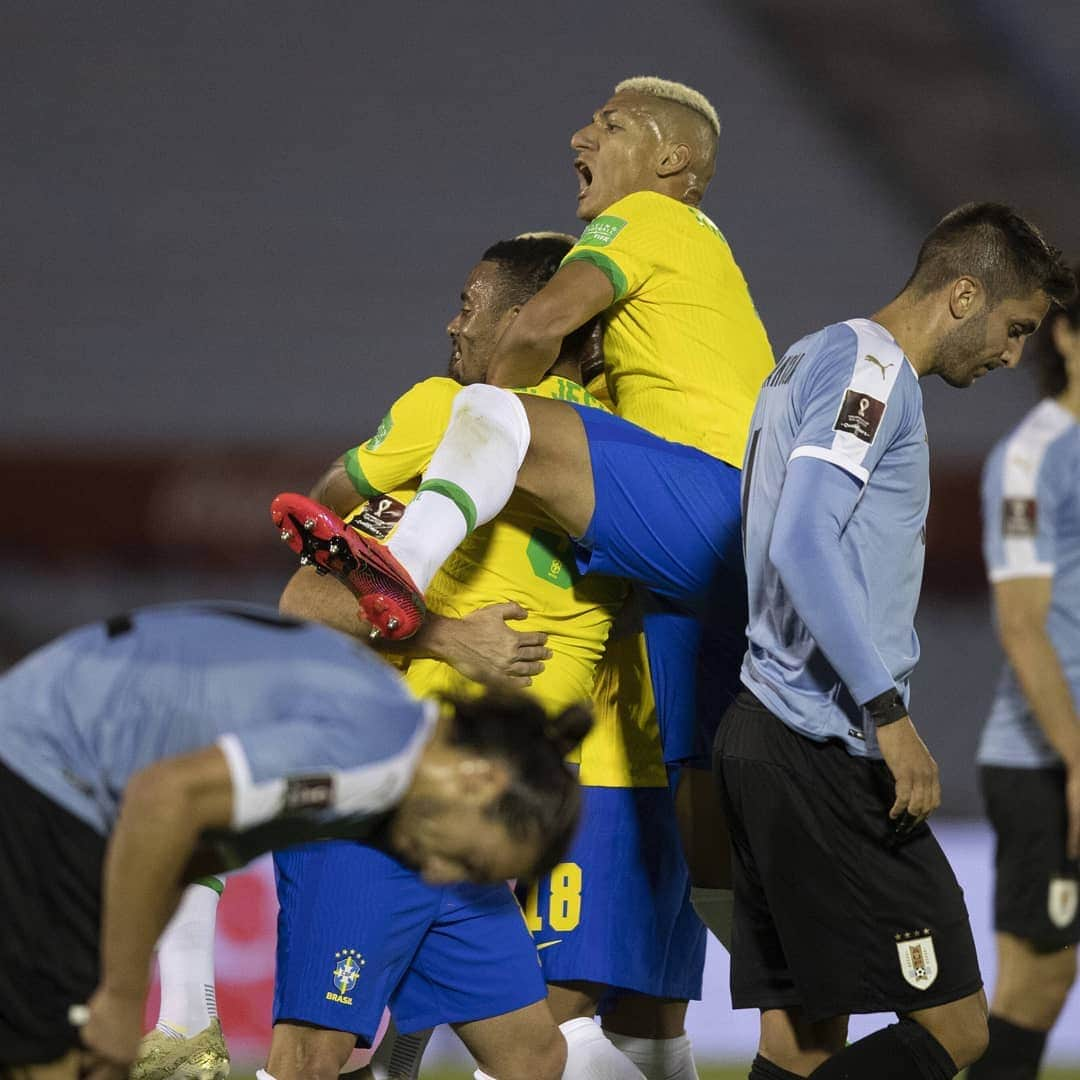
1046,440
438,388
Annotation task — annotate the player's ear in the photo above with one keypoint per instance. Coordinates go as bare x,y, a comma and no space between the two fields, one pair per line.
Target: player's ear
965,296
674,159
481,779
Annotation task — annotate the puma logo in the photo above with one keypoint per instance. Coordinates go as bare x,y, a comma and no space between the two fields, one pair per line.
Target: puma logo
875,360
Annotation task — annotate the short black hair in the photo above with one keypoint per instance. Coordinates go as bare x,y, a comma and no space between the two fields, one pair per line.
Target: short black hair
1047,362
992,242
543,799
528,264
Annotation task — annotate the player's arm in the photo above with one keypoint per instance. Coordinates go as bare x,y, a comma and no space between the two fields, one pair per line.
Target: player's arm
816,503
482,646
165,809
1022,606
335,488
530,345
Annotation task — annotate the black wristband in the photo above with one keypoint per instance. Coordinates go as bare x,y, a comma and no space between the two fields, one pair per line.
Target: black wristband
886,708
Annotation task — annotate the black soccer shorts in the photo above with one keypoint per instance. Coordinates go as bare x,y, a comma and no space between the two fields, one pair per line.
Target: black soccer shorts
50,915
832,915
1036,887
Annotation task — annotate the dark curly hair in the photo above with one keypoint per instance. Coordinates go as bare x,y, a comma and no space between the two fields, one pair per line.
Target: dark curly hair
543,799
1047,363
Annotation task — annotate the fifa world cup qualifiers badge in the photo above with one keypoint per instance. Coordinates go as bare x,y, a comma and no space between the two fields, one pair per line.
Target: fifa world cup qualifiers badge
347,965
860,415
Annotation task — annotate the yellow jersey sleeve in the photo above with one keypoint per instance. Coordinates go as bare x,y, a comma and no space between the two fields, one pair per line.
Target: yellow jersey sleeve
685,351
403,444
623,242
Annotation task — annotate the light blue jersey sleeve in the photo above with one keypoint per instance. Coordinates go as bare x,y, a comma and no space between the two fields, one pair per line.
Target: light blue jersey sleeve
1023,486
853,402
324,765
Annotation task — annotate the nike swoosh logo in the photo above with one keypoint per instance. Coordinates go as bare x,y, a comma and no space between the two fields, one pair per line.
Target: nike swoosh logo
547,944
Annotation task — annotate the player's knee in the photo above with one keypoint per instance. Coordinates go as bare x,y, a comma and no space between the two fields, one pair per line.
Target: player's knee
962,1029
546,1061
307,1054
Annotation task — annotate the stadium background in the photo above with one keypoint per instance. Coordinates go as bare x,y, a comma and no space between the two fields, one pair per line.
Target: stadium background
234,231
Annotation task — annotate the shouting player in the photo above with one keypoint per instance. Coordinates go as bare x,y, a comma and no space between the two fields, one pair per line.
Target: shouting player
1030,749
844,902
652,493
192,738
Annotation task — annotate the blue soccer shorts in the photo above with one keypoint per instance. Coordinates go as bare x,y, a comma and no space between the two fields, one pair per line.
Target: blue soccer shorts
668,517
617,910
358,931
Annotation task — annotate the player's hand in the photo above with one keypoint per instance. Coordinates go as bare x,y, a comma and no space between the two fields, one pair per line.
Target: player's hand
484,648
915,772
1072,807
110,1034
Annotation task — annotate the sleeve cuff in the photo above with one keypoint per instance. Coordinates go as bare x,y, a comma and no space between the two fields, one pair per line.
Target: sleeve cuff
606,265
356,474
252,803
824,453
1014,572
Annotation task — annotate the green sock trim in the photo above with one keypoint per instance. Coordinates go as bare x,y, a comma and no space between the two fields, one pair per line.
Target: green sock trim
356,474
457,495
214,883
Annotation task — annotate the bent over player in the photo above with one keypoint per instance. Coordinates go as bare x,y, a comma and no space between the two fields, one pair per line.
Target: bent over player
844,902
192,738
1030,749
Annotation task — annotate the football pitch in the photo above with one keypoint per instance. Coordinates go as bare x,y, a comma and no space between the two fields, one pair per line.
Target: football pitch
706,1072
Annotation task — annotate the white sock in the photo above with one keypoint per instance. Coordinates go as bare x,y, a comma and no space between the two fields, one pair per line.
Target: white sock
262,1074
659,1059
471,475
716,909
590,1055
186,962
398,1056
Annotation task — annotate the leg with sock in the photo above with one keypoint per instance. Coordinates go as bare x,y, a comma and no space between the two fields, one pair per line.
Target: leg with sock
1014,1053
398,1056
904,1051
187,1039
591,1055
763,1069
468,481
659,1059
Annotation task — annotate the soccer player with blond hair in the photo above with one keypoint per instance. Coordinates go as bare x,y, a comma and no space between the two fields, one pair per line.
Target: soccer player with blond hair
685,354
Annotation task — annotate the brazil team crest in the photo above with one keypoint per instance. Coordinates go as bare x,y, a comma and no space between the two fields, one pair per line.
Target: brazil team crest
346,973
918,960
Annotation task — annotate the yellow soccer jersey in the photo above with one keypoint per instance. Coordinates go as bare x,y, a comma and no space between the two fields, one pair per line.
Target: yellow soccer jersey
520,556
684,348
623,749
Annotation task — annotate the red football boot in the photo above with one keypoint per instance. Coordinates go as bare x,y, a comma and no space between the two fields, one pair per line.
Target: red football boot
389,599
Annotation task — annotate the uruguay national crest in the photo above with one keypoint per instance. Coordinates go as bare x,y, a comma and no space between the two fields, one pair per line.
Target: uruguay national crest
918,960
347,965
1062,901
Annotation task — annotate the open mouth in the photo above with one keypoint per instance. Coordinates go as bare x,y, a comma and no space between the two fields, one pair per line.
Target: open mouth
584,177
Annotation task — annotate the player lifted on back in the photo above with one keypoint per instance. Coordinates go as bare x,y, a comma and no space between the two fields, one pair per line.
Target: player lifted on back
1030,749
844,902
651,494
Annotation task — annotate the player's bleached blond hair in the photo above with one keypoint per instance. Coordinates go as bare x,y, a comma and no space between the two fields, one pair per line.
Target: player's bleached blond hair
673,91
564,236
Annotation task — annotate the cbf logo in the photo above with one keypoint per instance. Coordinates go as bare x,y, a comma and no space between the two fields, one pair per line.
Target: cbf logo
347,965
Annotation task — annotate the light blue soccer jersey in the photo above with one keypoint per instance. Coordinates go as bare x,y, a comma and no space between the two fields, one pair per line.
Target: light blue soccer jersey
1031,528
849,396
320,734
